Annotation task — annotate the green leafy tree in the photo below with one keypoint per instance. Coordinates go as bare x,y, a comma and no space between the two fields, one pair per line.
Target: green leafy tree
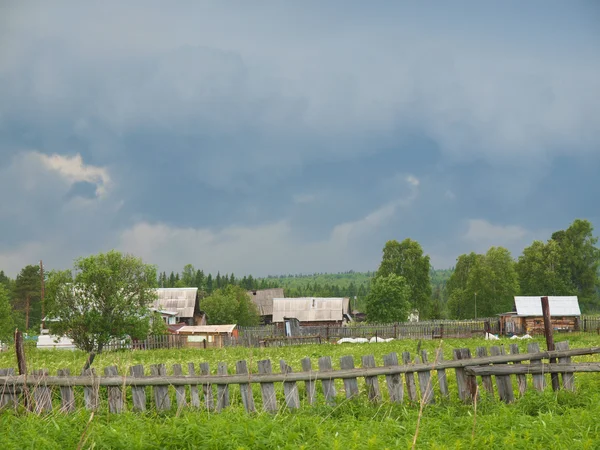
7,323
388,300
108,298
188,276
27,299
406,259
230,305
542,272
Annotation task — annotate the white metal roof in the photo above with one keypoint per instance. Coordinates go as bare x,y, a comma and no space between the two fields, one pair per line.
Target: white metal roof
559,306
206,329
263,299
179,300
310,309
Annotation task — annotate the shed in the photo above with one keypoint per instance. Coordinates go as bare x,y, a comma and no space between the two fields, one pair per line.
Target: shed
527,317
211,335
312,310
263,299
178,305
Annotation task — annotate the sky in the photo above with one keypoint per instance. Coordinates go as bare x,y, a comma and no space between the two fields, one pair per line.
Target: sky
276,137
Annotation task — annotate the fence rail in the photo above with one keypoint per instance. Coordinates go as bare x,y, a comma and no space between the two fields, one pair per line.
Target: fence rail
36,389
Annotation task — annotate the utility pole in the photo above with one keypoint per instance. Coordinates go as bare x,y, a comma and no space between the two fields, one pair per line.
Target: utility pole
476,305
42,291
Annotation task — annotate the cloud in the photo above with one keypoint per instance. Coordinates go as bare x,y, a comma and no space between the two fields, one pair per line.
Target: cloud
74,170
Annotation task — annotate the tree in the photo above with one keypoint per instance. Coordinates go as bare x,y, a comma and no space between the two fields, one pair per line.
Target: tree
482,285
7,323
188,276
542,272
230,305
108,298
28,295
388,300
406,259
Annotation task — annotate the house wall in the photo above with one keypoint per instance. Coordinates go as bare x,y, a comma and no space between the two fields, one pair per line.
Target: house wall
535,325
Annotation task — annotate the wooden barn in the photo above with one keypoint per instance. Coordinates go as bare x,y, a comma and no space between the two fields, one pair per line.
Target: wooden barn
208,335
179,305
527,317
312,311
263,299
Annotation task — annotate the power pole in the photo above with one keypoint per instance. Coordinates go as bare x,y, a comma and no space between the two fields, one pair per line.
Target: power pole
42,291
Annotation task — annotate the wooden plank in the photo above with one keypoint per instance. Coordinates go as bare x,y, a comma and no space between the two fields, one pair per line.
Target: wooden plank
549,339
67,396
533,369
115,393
411,386
222,389
568,378
504,383
290,389
441,374
42,395
350,384
8,392
326,369
425,385
241,368
194,394
539,382
486,380
372,383
207,388
138,393
465,354
267,389
179,390
91,397
461,378
521,379
394,381
162,400
309,384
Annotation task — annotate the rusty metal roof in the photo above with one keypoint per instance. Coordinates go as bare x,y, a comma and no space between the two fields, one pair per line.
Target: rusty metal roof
310,309
559,306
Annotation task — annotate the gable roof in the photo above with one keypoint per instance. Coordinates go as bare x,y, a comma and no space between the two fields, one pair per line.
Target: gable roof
559,306
310,309
179,300
206,329
263,299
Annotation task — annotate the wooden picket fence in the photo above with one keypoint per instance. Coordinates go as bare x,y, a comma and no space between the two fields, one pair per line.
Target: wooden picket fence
37,390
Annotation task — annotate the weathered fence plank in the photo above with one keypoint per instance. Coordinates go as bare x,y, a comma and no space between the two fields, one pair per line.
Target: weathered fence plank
425,385
539,381
67,394
194,394
503,382
411,387
42,395
328,383
222,389
138,393
116,402
207,389
180,396
8,396
290,389
91,397
464,392
267,389
567,377
533,369
393,381
521,379
241,368
486,380
373,392
350,384
162,400
441,373
309,384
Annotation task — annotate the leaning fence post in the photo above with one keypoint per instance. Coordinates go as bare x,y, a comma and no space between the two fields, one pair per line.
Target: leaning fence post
222,389
310,384
290,389
241,368
411,386
179,390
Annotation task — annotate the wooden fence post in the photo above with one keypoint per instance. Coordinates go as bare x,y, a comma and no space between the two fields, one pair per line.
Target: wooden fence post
222,389
67,395
373,391
425,385
290,389
138,393
350,384
267,389
41,393
207,388
549,339
394,381
521,378
309,385
503,382
115,393
194,394
161,393
411,387
486,380
441,373
241,368
179,390
539,382
567,377
328,384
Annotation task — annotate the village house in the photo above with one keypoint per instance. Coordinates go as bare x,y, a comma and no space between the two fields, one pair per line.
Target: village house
179,305
263,299
208,335
312,311
527,316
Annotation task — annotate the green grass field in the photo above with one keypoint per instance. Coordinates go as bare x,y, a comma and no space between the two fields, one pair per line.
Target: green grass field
538,420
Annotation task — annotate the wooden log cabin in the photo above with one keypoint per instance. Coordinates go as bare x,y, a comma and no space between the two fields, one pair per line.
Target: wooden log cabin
527,316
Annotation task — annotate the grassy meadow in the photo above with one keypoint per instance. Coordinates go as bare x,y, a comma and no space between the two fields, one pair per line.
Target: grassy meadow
537,420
